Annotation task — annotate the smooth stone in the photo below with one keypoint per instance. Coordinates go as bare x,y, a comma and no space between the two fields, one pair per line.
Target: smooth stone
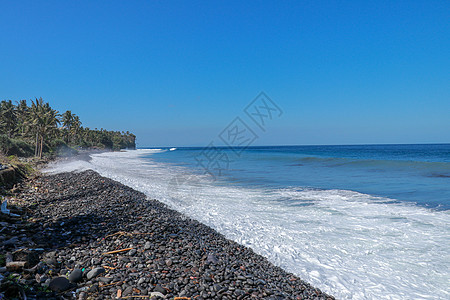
156,294
76,275
127,291
105,279
95,272
212,259
208,277
132,252
93,289
147,245
59,284
11,241
260,282
159,288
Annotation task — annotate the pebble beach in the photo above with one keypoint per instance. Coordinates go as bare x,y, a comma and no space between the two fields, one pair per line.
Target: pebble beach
84,236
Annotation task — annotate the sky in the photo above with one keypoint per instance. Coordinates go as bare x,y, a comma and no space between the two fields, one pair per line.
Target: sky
177,73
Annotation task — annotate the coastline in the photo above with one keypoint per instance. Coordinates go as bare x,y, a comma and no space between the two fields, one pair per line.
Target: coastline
78,219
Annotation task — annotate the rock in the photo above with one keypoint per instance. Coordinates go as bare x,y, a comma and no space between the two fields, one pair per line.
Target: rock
160,289
127,291
93,288
82,296
76,275
208,277
147,245
156,294
105,279
11,241
59,284
51,261
132,252
211,259
95,272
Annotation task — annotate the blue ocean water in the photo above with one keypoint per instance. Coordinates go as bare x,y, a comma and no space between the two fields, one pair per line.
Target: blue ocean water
358,222
417,174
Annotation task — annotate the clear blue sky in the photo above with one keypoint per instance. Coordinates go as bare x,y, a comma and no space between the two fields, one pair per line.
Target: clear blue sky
177,72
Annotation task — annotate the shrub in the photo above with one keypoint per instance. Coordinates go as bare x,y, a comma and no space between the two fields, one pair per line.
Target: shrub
15,147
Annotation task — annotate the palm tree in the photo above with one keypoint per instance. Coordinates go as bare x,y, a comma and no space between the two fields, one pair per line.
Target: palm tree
8,119
22,111
45,122
67,121
76,127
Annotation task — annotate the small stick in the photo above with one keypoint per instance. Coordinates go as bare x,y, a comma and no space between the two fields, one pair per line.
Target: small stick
113,283
118,232
117,251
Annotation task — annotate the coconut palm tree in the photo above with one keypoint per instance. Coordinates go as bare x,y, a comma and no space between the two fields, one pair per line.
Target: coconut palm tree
44,121
76,128
22,111
8,119
67,122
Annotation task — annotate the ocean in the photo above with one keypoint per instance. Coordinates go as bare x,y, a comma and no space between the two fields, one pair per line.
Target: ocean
358,222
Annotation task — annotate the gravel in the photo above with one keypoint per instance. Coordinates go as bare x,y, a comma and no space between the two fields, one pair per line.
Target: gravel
111,242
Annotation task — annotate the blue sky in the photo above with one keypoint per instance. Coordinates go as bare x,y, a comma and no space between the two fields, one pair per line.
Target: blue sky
178,72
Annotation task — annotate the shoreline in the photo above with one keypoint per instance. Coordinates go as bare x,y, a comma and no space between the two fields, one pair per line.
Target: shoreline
137,246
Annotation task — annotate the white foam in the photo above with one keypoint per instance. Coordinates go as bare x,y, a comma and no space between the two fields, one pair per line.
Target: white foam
67,166
351,245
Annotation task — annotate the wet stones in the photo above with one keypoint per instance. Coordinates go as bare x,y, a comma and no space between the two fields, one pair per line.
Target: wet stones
95,272
76,275
59,284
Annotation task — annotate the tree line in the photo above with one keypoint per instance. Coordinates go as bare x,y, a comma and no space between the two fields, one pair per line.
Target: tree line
38,129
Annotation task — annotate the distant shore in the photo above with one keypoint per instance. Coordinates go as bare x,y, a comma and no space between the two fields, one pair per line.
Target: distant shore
112,242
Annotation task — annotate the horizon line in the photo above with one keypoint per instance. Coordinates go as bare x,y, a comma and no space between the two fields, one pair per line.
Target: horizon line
294,145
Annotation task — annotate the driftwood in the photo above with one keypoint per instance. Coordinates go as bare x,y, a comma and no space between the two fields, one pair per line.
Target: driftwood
15,265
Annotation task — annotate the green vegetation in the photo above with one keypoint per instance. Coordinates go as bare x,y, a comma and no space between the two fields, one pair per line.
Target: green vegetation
40,130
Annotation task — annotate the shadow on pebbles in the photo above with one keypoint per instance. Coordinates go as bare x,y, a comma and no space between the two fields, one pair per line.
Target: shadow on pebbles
83,236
